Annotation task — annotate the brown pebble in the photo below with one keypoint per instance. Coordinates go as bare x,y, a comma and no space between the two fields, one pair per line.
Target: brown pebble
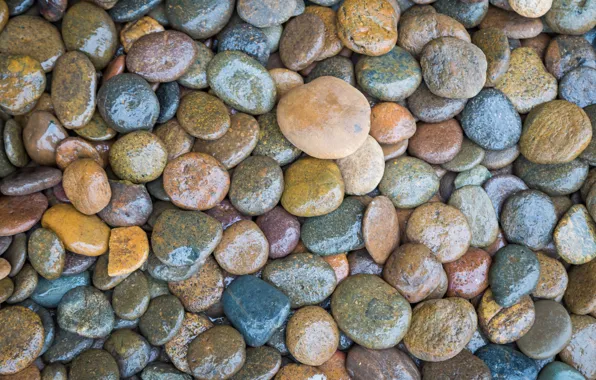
175,138
41,136
468,275
20,213
243,248
505,324
391,123
512,24
134,30
4,268
202,290
129,249
72,149
302,41
312,336
115,67
380,229
86,186
436,143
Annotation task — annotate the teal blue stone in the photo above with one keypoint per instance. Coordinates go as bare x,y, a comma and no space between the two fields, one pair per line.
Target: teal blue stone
48,293
513,274
555,179
391,77
242,82
507,364
255,308
66,347
559,371
336,232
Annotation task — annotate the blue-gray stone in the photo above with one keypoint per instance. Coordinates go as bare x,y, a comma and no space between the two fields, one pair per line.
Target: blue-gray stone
513,274
168,95
48,293
255,308
559,371
247,39
555,179
47,321
66,347
468,14
507,364
129,10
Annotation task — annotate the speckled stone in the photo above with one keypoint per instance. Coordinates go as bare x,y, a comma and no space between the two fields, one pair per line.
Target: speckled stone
218,353
578,353
130,205
305,278
243,249
272,142
513,274
25,282
261,363
162,320
127,103
55,371
312,336
408,182
6,288
579,296
46,253
380,228
475,204
195,76
577,86
201,290
370,311
553,278
282,231
203,116
19,350
556,179
504,325
129,250
506,363
566,53
101,279
363,363
570,17
30,180
528,217
494,44
49,293
175,138
391,77
130,350
130,298
66,347
476,176
337,66
575,236
90,30
336,232
94,364
589,154
462,366
75,316
469,14
431,108
514,25
468,157
499,159
266,13
161,371
500,187
199,19
177,347
23,81
256,186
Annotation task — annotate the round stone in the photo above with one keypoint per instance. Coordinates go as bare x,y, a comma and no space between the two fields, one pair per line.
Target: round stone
162,320
130,350
312,335
201,19
577,86
436,143
556,179
579,295
101,279
94,364
247,39
566,53
370,311
575,236
218,353
203,116
75,315
495,46
261,362
363,170
177,347
444,70
507,363
138,157
130,298
266,13
391,123
553,279
168,95
130,205
332,45
380,228
286,80
175,138
367,27
302,41
408,182
513,274
30,180
282,231
468,275
272,143
226,214
129,250
363,363
46,253
390,77
201,290
500,187
499,159
25,283
577,354
462,366
313,187
127,103
514,25
475,204
243,248
20,213
570,17
86,186
195,76
21,348
22,83
468,14
339,132
555,132
14,146
431,108
257,185
504,325
559,371
549,334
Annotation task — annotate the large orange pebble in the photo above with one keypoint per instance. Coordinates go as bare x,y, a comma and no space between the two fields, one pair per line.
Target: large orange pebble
129,249
83,234
391,123
86,186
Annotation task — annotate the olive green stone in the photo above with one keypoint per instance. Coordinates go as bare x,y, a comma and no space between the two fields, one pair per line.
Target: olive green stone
101,279
25,283
257,185
553,179
138,157
14,147
94,364
6,166
475,176
55,371
272,143
163,371
338,66
242,82
575,236
130,298
46,253
478,209
370,311
16,254
196,76
75,314
6,289
160,271
96,129
468,157
305,278
157,287
261,363
162,320
408,182
66,347
130,350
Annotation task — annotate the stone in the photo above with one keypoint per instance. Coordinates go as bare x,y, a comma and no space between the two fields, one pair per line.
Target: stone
255,96
25,283
201,290
267,13
370,311
299,117
575,236
175,138
261,362
282,231
463,365
19,350
505,362
553,278
116,98
89,29
129,249
131,297
182,238
217,353
82,234
286,80
203,116
453,81
528,217
162,320
49,293
468,14
440,329
408,182
299,371
72,149
363,170
559,371
312,187
499,159
577,86
226,214
86,186
247,39
177,347
476,176
163,370
302,41
495,46
199,19
504,325
500,187
54,371
130,350
46,320
196,181
578,296
243,248
513,274
305,278
23,81
549,334
336,232
380,228
75,315
512,24
391,123
101,279
20,213
14,147
94,364
168,95
467,158
527,83
195,76
363,363
368,27
129,10
134,30
30,180
468,275
312,336
555,179
130,205
393,76
436,143
566,53
257,185
570,17
46,253
576,353
475,204
164,272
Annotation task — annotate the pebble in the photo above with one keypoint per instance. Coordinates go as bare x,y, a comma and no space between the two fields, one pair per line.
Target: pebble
130,298
130,350
195,76
336,232
506,363
577,86
86,186
82,234
413,270
14,146
261,363
468,275
101,279
23,81
243,248
512,24
286,80
302,41
527,83
393,76
367,27
566,53
577,354
363,170
247,39
570,18
299,117
237,143
226,214
299,371
182,238
514,273
370,311
168,95
163,370
75,315
49,293
462,366
312,187
575,236
528,217
266,13
199,19
500,187
129,250
5,268
408,182
391,123
89,29
162,320
46,253
475,204
555,179
201,290
363,363
380,228
494,44
177,347
305,278
282,231
499,159
559,371
20,213
130,205
96,129
203,116
553,278
25,283
312,336
175,138
94,364
218,353
54,371
133,31
226,76
257,185
30,180
127,103
436,143
332,44
6,289
453,81
467,158
431,108
19,350
196,181
579,296
504,325
549,334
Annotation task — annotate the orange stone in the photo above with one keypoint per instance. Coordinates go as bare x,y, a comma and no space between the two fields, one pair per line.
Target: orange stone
86,186
340,265
129,249
391,123
380,228
335,367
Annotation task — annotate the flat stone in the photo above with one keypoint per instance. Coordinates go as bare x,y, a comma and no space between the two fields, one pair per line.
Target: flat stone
94,364
20,213
475,204
162,320
217,353
554,180
243,249
549,334
513,274
363,170
302,41
575,236
74,314
129,249
21,349
505,362
380,228
467,158
130,205
30,180
23,82
504,325
408,182
49,293
199,19
177,347
201,290
468,275
130,350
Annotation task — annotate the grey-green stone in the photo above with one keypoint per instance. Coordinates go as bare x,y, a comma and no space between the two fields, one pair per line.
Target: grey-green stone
130,298
475,204
272,143
408,182
469,156
76,315
475,176
555,179
513,274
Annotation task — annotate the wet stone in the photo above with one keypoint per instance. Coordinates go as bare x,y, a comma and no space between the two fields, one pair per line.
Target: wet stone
159,371
66,347
559,371
130,350
577,86
23,81
504,325
158,270
199,19
243,249
43,127
431,108
282,231
30,180
168,95
380,229
514,273
177,347
337,66
202,290
49,293
512,24
130,298
46,253
75,316
467,158
129,10
226,214
19,350
130,205
494,44
500,187
468,275
505,362
20,213
46,320
94,364
162,320
219,352
436,143
575,236
247,39
266,13
554,179
261,362
195,76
